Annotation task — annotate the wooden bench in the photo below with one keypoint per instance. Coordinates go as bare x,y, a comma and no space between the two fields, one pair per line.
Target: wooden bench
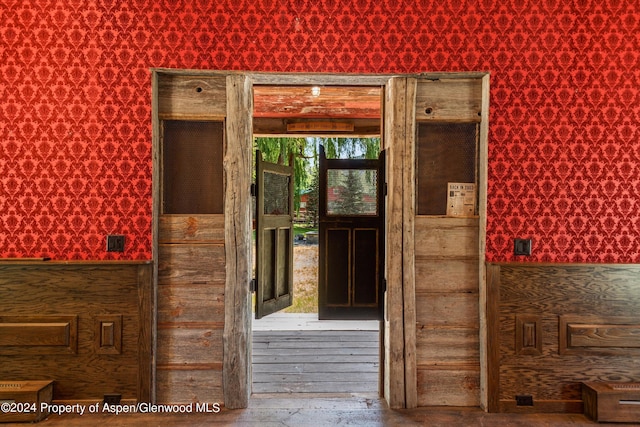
611,402
21,400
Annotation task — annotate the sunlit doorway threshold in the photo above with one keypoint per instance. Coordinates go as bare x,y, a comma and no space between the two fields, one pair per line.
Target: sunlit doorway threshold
309,322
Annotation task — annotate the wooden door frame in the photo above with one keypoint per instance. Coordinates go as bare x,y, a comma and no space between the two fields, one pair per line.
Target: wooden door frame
400,375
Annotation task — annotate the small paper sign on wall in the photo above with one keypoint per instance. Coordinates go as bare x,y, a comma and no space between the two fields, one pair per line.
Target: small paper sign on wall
461,199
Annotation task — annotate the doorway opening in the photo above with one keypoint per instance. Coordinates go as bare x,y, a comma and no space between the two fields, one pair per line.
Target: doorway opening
294,351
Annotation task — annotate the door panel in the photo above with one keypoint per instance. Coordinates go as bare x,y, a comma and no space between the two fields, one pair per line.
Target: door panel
351,249
274,236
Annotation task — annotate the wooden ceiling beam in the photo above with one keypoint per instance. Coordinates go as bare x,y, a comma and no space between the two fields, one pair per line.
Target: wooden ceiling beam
361,102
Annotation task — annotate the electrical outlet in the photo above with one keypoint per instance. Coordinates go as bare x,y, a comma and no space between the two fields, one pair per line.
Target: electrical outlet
112,398
524,400
522,247
115,243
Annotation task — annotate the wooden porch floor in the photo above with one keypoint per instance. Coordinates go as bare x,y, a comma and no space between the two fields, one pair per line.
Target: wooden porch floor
315,362
296,353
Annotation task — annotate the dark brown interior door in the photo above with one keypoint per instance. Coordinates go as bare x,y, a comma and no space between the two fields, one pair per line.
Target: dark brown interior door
351,238
274,236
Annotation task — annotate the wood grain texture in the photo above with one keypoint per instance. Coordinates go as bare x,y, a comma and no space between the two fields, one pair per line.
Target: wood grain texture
529,334
21,335
447,346
447,309
191,303
448,387
408,247
146,334
191,97
446,259
189,344
395,135
442,237
26,392
196,263
190,252
108,334
329,102
612,402
450,100
189,385
315,362
189,228
278,127
493,338
483,297
87,291
604,335
588,313
446,275
238,253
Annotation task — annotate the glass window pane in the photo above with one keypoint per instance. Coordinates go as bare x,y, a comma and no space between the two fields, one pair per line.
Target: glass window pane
352,192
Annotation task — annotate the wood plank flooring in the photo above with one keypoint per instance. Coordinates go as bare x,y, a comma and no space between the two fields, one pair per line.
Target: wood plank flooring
315,361
319,412
291,371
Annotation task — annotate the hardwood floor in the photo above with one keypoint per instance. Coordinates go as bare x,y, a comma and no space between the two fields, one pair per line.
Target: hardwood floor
303,411
307,379
315,361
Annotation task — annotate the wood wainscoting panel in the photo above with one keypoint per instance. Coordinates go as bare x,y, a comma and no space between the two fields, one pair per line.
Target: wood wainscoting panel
581,323
528,334
599,335
92,331
108,334
38,335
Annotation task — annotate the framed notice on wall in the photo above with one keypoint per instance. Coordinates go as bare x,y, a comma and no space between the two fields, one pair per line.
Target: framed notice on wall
461,199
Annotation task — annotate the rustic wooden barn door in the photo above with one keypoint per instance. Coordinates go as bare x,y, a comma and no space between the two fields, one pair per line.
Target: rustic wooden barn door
351,238
274,236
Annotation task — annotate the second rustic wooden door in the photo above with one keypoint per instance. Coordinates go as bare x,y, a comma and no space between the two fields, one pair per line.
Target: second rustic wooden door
351,238
274,236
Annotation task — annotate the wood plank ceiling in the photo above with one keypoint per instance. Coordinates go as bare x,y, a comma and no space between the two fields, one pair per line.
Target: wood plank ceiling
317,110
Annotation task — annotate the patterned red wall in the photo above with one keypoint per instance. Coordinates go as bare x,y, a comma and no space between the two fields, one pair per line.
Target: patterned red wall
75,135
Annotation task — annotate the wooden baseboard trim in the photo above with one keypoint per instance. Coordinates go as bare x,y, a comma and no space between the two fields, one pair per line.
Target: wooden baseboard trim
543,407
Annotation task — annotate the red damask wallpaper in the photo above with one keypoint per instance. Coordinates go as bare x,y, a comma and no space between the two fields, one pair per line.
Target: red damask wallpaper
75,125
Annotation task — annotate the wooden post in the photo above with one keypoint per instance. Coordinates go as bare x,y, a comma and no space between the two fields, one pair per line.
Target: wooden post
492,351
395,134
237,233
484,304
155,200
408,246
